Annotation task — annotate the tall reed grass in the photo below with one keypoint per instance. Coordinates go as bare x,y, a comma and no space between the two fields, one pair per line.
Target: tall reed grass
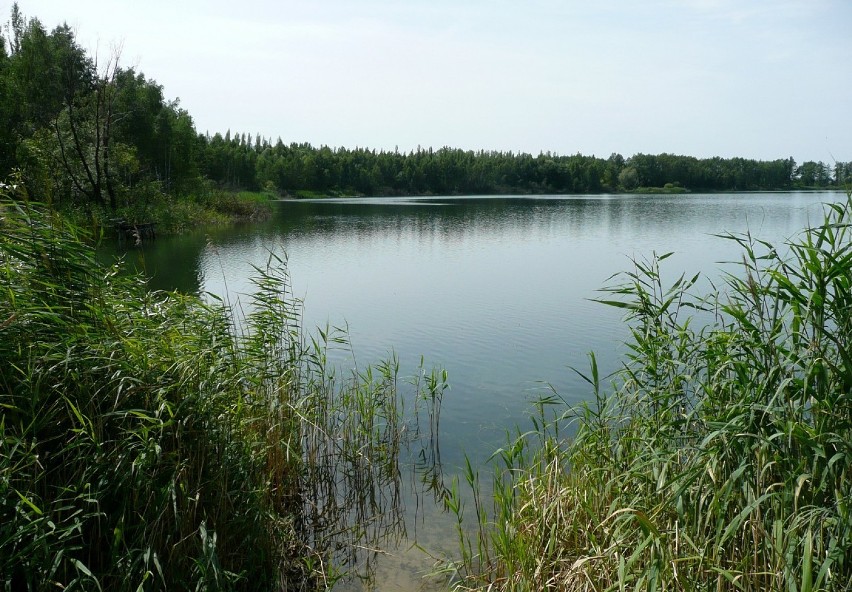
720,458
147,443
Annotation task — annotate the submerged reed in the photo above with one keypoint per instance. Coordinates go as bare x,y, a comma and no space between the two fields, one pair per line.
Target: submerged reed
721,457
148,444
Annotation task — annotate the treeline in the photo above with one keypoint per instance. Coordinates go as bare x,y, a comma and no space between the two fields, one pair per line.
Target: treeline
285,168
85,131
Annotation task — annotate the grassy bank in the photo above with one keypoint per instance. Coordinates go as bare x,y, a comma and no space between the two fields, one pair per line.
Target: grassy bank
207,207
718,458
149,441
667,188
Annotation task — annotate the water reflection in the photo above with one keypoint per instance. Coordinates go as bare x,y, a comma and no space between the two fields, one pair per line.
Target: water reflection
496,290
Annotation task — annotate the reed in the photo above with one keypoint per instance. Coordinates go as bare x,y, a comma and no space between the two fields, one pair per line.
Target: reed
152,441
718,458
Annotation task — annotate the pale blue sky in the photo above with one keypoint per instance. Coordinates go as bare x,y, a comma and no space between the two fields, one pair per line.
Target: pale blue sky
755,78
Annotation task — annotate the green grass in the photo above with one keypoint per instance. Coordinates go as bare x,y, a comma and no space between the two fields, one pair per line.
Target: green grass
147,203
334,193
242,205
668,188
149,441
718,458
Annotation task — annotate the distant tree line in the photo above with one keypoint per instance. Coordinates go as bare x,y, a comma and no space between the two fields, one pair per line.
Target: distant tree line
88,132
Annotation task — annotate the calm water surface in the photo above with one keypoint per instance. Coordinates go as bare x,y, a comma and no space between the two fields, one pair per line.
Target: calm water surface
496,290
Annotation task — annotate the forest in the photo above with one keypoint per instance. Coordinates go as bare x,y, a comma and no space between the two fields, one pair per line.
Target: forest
83,131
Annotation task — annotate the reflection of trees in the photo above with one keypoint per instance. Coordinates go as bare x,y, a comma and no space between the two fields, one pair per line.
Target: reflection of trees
449,219
177,262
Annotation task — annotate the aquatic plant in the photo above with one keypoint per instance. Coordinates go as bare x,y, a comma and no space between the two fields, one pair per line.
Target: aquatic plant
720,458
152,441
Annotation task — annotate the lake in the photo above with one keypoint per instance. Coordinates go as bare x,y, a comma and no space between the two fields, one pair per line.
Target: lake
496,290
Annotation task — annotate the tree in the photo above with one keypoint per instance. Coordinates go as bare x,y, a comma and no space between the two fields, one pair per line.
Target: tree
32,80
177,143
8,109
628,178
813,174
84,132
612,169
16,27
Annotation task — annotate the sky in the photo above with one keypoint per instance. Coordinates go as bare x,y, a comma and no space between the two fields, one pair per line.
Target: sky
760,79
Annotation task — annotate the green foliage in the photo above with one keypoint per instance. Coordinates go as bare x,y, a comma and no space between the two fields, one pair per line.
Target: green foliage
297,169
149,441
84,133
628,178
815,174
667,188
150,204
89,135
721,458
243,205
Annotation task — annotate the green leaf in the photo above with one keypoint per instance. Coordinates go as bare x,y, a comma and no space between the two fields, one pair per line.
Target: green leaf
27,501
